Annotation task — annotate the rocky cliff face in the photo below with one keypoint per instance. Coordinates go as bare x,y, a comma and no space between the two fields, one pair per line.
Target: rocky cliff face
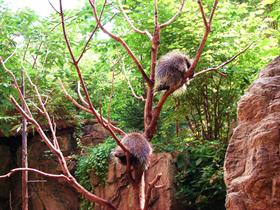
120,192
44,193
252,164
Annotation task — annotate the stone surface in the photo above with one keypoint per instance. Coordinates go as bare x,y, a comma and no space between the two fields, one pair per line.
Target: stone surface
252,163
5,161
93,134
49,193
120,193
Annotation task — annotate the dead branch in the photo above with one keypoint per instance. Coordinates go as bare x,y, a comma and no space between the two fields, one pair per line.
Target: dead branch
222,64
154,51
52,146
16,85
167,23
122,42
131,24
150,124
53,7
11,55
86,109
98,116
43,108
80,95
91,35
129,84
151,186
15,170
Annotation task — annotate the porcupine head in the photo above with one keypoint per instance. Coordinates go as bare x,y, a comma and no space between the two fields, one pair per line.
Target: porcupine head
139,148
170,70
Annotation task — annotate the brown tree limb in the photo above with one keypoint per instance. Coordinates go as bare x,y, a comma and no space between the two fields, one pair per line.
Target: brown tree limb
148,115
92,33
80,95
98,116
86,109
167,23
53,7
150,128
15,170
46,114
54,148
151,186
122,42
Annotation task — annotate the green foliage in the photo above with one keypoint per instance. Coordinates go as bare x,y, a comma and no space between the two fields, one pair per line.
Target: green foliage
200,175
95,160
205,112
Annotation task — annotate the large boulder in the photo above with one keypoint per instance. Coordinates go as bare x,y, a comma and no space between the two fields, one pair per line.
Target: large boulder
252,163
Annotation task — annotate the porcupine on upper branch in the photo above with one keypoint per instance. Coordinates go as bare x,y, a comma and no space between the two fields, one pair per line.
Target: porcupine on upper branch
139,148
170,70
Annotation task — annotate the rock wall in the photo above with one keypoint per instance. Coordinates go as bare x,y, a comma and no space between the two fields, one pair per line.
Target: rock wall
252,163
45,194
5,161
49,194
120,193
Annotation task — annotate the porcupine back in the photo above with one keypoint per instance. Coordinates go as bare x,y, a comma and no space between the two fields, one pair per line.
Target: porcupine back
138,146
170,70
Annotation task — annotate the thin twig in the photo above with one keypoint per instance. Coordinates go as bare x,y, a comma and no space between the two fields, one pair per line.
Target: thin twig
167,23
99,119
53,7
129,84
92,33
122,42
222,64
80,95
57,176
203,13
151,186
131,24
11,55
86,109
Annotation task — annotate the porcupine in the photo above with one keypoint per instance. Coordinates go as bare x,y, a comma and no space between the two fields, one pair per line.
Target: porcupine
170,70
139,148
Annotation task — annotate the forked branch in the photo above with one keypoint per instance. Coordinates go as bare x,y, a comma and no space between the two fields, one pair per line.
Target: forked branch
121,41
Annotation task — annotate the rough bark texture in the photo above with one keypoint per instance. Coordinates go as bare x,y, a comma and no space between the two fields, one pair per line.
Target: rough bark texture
120,193
252,164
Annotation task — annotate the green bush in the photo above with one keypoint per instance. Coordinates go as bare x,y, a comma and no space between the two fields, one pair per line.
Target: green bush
199,179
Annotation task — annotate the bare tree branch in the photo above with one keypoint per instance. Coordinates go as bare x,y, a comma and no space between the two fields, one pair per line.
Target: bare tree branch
80,95
53,7
12,54
16,85
131,24
98,116
167,23
151,186
129,84
86,109
91,35
47,116
15,170
203,14
122,42
222,64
